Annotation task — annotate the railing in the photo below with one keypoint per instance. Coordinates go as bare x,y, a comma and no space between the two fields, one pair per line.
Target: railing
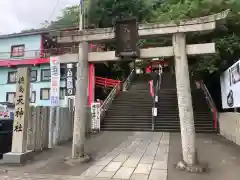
106,82
108,101
210,103
45,53
129,80
25,55
154,92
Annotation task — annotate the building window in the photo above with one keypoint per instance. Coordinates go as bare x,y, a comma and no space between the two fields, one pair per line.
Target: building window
33,97
45,93
18,50
12,77
10,97
63,72
33,75
45,75
62,93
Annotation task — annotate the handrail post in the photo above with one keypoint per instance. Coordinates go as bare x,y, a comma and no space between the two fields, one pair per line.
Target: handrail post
154,109
156,89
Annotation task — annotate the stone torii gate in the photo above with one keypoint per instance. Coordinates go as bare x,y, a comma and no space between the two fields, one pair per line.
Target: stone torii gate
179,50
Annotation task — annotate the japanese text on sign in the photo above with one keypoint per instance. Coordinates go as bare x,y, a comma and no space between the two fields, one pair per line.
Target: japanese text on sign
55,81
70,86
21,113
19,108
96,112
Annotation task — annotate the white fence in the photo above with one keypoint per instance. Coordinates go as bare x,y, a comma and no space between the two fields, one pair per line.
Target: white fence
39,129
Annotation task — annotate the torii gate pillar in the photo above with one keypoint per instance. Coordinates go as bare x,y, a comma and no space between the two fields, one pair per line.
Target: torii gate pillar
91,84
184,99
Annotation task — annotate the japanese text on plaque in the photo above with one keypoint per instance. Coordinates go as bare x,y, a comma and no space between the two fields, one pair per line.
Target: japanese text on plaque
20,104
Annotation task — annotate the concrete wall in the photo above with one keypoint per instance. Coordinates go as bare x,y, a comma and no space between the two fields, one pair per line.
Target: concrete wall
230,126
32,46
35,86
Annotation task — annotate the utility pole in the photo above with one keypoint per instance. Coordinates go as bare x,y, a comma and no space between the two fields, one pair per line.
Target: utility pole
80,118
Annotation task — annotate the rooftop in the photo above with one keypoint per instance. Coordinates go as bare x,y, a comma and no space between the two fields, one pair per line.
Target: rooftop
36,32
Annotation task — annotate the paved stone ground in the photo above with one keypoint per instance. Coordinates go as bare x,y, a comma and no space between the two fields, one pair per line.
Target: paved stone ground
141,156
144,156
222,157
53,161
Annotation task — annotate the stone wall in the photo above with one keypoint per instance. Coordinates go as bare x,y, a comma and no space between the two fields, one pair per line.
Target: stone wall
230,126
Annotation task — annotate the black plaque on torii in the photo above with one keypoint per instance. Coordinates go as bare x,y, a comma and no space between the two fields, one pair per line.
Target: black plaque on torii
126,33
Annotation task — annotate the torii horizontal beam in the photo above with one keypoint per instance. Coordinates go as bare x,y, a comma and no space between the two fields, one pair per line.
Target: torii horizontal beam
99,57
206,23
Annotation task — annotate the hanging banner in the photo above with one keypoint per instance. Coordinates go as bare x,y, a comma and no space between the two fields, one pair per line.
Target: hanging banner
96,112
55,81
70,80
230,87
126,33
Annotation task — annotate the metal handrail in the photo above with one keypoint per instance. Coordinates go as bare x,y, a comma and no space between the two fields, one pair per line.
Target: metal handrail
210,102
128,81
108,101
208,95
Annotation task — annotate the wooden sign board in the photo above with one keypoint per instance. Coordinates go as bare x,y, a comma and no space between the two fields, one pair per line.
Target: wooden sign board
126,33
70,80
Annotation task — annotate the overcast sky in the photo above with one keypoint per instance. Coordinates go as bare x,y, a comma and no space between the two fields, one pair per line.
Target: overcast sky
16,15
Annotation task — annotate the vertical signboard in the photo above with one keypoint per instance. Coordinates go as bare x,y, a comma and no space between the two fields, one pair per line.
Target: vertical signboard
70,80
55,81
96,112
126,33
19,142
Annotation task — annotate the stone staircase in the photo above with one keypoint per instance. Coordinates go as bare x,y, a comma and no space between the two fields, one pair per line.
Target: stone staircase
168,114
131,110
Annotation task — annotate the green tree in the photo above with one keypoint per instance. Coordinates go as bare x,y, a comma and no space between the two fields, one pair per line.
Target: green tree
68,18
103,13
226,37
